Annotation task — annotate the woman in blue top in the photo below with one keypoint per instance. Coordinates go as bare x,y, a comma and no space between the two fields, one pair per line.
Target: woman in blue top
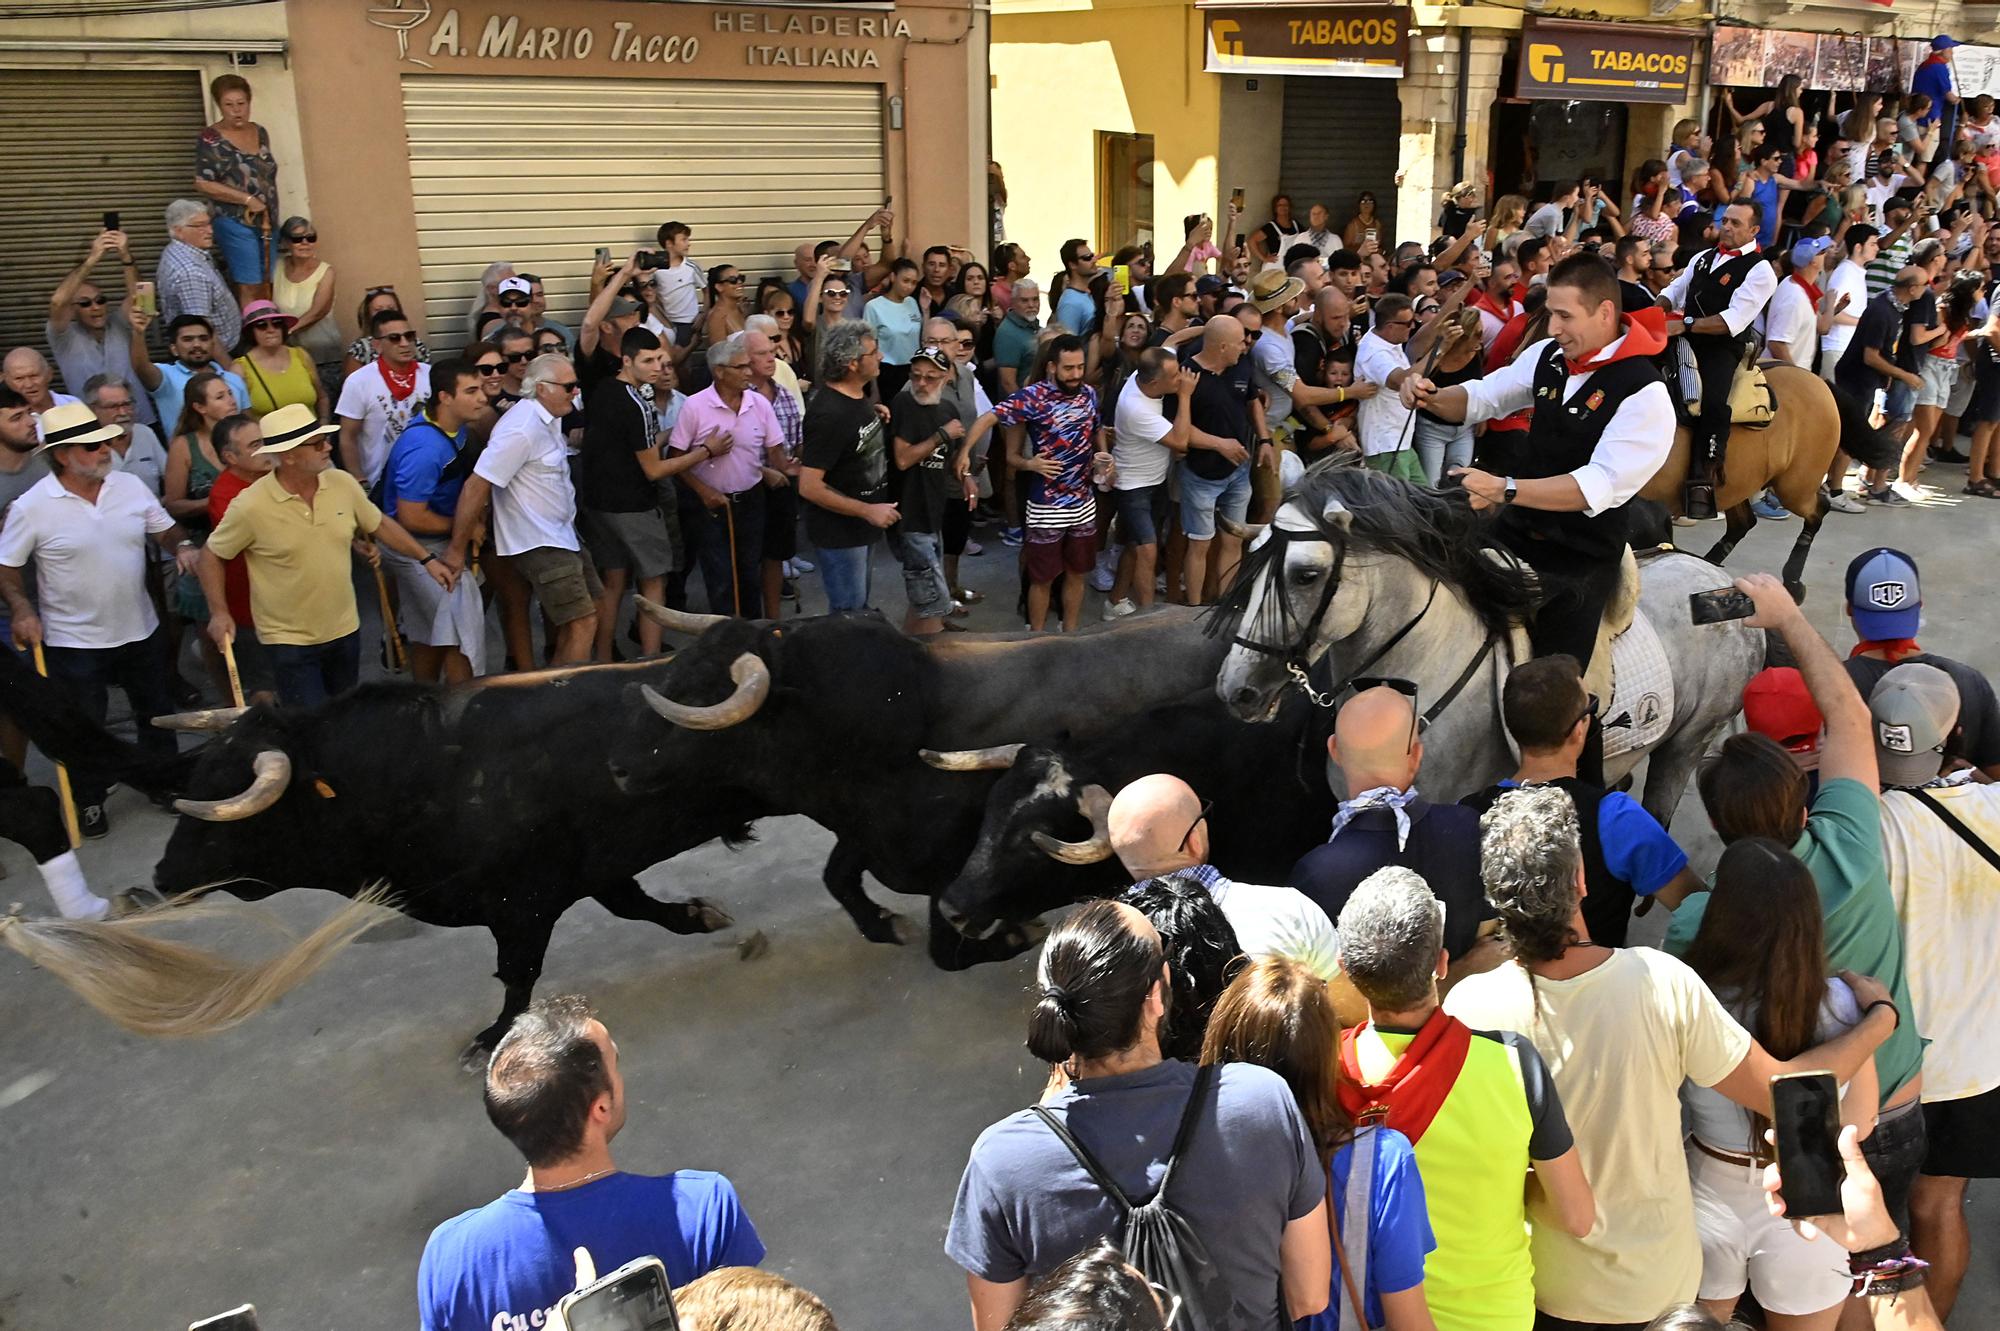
1279,1015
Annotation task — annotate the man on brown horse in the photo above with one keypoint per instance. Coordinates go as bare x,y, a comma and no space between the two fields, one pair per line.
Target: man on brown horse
1603,424
1719,296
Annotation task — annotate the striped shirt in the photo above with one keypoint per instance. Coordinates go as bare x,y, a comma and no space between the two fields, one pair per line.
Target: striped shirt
1888,261
1062,426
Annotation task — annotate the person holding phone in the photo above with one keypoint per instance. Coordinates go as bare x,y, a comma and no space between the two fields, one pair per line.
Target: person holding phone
88,330
1621,1029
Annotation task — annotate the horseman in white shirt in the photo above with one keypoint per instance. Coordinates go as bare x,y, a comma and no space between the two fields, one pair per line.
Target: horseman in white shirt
1602,426
1719,296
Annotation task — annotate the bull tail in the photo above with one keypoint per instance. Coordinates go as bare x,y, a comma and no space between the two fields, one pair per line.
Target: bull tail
155,986
50,717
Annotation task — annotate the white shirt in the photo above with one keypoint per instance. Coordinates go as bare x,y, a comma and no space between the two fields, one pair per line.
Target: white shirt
1949,900
1791,319
1279,922
526,462
90,559
1139,424
680,289
1851,278
1325,241
1880,191
1380,419
1745,303
365,398
1545,221
1632,448
55,400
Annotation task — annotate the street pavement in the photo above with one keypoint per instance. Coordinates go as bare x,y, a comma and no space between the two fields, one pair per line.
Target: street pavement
299,1161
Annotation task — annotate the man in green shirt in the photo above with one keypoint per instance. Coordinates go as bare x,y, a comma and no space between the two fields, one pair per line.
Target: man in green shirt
1753,788
1015,339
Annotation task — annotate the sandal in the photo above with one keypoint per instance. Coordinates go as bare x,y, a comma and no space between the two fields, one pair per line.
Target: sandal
967,595
1984,489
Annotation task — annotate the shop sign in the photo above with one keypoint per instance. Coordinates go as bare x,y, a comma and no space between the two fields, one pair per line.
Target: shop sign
426,36
1369,41
1603,62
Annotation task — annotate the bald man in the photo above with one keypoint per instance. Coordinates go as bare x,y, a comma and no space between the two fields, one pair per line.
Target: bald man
1227,425
1375,751
26,371
1159,829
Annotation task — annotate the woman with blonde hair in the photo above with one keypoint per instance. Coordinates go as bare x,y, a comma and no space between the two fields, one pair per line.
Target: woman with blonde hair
1508,214
1279,1015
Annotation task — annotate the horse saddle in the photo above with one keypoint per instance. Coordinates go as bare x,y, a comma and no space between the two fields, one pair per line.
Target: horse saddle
1752,404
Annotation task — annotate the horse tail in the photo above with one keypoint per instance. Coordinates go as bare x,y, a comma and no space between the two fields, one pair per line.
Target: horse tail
154,986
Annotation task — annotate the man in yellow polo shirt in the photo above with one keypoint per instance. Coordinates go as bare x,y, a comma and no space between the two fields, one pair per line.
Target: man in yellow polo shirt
295,528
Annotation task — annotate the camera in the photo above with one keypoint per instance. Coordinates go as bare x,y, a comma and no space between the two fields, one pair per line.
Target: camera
649,260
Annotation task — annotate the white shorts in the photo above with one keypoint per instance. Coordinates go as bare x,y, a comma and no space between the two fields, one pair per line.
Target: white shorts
1744,1245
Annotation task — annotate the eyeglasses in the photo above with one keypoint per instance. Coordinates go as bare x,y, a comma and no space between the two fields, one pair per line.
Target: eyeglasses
1401,323
515,302
303,238
743,365
517,357
487,371
1408,688
90,302
1199,819
405,336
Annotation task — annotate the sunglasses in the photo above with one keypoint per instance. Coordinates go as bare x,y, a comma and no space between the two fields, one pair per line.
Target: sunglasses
90,302
515,302
729,281
373,292
1591,707
397,337
781,314
567,388
274,323
488,371
1407,687
93,447
304,238
518,357
1199,819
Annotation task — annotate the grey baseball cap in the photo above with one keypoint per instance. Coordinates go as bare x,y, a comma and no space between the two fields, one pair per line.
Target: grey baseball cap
1915,709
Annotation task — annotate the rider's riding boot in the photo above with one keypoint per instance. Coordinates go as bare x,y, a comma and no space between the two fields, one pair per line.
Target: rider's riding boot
1699,500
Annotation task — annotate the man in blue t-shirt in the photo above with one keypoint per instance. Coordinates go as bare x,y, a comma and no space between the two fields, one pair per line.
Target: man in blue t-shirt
1626,853
554,1090
427,467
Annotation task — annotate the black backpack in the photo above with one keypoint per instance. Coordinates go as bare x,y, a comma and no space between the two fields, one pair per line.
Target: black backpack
1156,1238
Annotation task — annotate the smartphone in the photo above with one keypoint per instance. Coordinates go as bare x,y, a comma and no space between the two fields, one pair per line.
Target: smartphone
1121,277
1236,198
146,295
635,1297
1373,234
111,221
1805,1110
1240,238
236,1319
603,254
1720,606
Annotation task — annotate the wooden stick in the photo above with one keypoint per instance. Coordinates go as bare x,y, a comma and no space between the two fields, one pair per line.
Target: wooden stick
70,823
388,616
229,664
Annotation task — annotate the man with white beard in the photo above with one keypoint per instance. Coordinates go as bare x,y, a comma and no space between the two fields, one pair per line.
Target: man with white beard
86,527
923,430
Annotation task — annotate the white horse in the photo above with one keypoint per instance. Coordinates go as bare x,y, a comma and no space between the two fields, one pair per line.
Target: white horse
1364,576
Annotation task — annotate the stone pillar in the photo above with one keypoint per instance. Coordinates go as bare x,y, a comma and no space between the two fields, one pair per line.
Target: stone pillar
1428,92
1486,50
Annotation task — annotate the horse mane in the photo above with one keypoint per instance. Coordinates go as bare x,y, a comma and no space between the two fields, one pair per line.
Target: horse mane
1434,530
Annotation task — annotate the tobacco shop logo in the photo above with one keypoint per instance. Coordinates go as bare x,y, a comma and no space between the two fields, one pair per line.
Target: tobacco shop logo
402,18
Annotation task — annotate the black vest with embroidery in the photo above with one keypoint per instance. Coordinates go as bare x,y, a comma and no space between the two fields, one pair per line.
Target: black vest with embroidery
1561,437
1713,284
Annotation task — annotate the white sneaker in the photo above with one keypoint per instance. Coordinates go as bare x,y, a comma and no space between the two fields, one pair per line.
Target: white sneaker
1119,609
1845,503
799,566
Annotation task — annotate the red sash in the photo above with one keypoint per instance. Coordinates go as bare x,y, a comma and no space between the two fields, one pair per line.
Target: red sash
1895,649
1410,1097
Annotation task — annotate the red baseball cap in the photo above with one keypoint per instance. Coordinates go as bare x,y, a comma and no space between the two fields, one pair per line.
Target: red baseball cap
1776,704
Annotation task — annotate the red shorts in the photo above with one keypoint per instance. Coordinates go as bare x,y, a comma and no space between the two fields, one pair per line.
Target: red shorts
1053,551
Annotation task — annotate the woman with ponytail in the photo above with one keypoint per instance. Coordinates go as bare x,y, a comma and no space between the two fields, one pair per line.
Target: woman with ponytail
1249,1181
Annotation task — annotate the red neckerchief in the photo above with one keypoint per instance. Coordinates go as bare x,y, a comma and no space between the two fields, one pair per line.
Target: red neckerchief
1808,288
1410,1097
1484,301
1895,649
403,387
1643,336
1519,295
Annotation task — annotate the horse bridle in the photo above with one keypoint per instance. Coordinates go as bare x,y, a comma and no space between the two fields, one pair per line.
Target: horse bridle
1297,656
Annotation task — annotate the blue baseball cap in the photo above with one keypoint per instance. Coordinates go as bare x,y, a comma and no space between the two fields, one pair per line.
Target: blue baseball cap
1944,43
1810,248
1883,594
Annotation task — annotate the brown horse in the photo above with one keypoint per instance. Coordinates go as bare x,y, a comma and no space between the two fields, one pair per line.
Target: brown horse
1790,455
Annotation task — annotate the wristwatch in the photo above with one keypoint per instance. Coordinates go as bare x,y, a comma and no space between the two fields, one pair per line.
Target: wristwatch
1507,496
432,559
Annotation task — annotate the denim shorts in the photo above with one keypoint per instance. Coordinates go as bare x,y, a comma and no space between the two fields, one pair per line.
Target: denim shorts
246,252
1142,512
1202,499
844,572
1898,401
923,572
1895,1151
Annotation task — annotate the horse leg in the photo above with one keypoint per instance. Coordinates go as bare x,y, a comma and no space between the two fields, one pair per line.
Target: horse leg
1795,564
628,901
844,868
1668,769
1739,522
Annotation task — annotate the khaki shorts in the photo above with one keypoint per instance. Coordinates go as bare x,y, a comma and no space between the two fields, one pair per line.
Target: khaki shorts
564,580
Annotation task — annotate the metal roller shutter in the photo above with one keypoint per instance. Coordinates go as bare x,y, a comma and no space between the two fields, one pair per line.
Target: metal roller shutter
79,144
1341,137
500,171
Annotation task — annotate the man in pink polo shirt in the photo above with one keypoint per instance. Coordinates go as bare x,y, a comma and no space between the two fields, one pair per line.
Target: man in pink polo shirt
722,498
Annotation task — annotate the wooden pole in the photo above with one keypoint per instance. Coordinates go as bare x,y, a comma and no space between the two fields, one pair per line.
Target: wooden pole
388,616
70,823
229,663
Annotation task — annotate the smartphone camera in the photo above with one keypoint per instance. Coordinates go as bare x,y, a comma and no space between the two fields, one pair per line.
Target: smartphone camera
651,260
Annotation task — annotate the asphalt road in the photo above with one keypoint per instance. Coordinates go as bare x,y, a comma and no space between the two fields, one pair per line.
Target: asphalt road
300,1161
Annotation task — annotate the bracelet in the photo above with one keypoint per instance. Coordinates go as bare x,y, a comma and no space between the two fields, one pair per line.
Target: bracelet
1339,394
1889,1003
430,559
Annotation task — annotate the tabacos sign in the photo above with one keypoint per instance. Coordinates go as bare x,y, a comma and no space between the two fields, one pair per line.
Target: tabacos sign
1371,41
1603,62
427,36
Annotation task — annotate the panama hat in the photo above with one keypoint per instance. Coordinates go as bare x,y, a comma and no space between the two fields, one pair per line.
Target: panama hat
1271,288
72,423
289,426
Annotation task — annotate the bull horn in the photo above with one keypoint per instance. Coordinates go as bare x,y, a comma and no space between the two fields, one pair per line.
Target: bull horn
213,718
996,759
1093,803
680,621
753,686
274,773
1242,531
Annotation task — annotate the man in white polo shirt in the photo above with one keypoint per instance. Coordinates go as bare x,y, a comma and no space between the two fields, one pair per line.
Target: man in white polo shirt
1150,427
381,399
1382,359
86,527
524,474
